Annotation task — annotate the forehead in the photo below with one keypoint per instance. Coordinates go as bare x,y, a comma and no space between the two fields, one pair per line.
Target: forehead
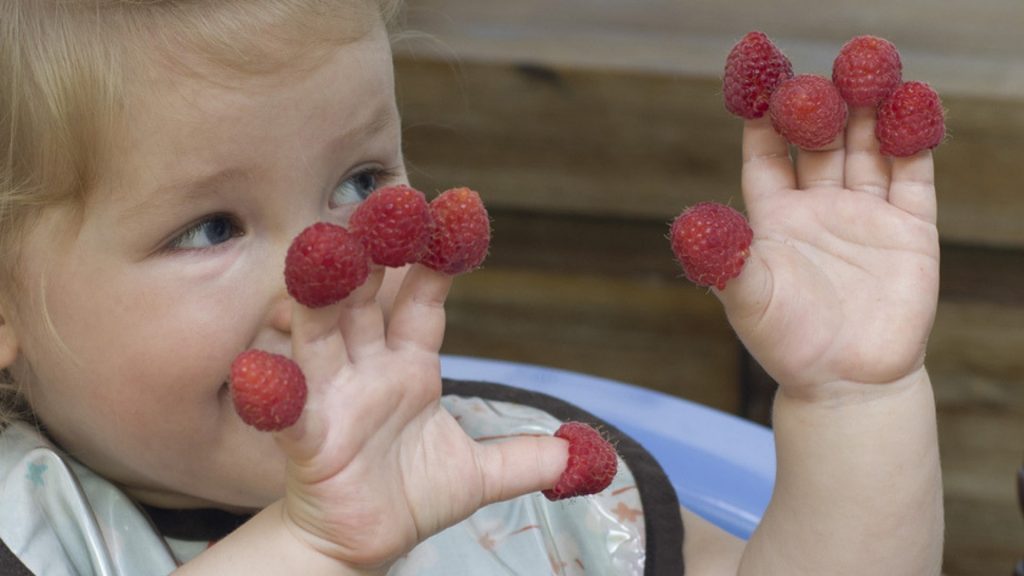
179,123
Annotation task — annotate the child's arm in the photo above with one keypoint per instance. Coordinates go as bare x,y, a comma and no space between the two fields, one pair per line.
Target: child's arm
836,302
376,465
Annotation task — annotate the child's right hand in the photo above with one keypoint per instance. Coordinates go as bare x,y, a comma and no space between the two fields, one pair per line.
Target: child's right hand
375,464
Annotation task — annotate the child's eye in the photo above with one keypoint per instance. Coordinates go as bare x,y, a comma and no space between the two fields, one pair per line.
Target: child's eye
358,186
208,232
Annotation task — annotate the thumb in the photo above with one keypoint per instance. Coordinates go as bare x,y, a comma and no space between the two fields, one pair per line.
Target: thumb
747,296
521,465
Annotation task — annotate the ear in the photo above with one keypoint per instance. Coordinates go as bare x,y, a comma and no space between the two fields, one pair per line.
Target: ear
8,342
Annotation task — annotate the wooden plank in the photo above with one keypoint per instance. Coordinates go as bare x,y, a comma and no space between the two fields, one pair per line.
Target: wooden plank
634,145
972,273
624,329
965,48
589,296
975,360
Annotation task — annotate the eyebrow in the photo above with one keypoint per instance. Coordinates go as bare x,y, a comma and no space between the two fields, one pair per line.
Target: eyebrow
188,189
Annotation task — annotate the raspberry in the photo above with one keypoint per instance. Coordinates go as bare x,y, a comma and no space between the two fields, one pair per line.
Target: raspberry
753,69
711,241
592,463
394,224
910,120
268,390
324,265
462,232
808,111
867,70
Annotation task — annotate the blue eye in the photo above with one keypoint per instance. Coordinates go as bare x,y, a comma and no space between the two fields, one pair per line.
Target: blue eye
210,231
357,187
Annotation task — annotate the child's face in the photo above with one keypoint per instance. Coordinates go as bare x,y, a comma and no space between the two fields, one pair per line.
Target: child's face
175,265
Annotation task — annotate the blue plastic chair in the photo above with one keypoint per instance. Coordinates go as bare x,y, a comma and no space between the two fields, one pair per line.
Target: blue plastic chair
722,467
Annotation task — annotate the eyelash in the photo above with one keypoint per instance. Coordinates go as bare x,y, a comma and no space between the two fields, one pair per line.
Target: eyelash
380,176
194,230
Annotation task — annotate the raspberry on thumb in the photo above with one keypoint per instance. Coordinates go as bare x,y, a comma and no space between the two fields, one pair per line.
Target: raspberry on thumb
711,241
268,390
592,463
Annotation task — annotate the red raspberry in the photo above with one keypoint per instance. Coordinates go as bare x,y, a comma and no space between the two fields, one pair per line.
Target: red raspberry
910,120
867,70
269,390
462,232
592,463
711,241
753,69
808,111
324,265
394,224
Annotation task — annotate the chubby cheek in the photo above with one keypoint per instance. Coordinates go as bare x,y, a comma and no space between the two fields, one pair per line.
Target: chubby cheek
136,390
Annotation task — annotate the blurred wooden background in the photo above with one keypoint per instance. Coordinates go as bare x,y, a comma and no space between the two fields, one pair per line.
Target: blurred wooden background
587,125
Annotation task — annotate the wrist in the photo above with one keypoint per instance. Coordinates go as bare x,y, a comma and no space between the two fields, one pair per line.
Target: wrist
323,552
841,392
270,543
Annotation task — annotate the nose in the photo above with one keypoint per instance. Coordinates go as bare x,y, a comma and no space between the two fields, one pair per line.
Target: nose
281,312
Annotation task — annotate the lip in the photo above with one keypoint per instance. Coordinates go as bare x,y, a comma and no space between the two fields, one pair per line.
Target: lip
224,394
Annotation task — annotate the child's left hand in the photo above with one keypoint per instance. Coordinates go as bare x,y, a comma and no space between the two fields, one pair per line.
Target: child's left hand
841,285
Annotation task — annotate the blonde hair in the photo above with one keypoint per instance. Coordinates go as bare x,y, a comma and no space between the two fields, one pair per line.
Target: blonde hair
64,65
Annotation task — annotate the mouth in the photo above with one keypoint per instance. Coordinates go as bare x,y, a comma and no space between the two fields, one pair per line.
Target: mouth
224,393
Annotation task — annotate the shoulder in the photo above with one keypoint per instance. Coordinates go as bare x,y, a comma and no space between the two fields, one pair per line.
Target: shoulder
59,516
28,462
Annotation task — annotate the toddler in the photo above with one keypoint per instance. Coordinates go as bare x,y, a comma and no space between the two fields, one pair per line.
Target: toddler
158,157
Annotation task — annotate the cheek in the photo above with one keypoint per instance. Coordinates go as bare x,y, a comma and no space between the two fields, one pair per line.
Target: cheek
140,350
136,383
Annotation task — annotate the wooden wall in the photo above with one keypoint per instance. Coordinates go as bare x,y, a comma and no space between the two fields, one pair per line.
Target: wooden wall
588,125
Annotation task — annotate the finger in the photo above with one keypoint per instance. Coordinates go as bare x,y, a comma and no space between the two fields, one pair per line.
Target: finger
393,278
361,318
418,317
913,185
867,170
767,166
747,296
317,343
822,168
521,465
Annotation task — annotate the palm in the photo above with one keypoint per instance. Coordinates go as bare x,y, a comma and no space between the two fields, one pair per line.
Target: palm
844,268
373,479
376,464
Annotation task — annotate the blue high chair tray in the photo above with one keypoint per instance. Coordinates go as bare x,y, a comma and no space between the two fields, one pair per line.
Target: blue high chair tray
722,467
